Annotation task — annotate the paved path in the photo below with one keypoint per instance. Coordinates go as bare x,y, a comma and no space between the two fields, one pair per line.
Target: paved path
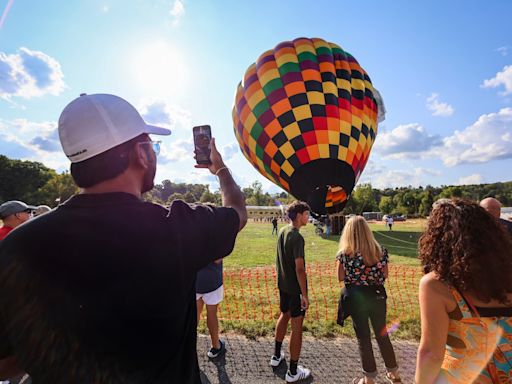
330,361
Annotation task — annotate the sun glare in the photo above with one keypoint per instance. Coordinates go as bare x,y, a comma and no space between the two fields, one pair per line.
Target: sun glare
159,69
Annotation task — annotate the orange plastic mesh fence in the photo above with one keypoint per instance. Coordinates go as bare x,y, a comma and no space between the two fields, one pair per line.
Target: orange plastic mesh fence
251,293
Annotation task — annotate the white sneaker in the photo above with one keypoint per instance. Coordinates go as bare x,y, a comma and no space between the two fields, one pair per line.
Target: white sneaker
302,373
275,361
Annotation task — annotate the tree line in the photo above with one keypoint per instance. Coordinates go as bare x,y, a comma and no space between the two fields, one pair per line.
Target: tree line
418,201
34,183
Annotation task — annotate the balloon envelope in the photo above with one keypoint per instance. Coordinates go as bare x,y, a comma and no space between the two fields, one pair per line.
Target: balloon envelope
305,116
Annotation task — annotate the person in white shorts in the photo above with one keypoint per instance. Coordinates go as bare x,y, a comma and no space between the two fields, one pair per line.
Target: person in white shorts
210,291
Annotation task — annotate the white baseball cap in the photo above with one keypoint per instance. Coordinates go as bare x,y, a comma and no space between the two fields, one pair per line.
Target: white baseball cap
93,124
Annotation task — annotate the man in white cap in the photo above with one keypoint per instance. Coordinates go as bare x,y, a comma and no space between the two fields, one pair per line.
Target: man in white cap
14,213
103,286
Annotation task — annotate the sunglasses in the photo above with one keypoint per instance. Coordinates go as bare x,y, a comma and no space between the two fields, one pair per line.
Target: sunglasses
155,145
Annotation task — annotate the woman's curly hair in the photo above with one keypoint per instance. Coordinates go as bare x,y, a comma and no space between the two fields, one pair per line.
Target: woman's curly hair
468,249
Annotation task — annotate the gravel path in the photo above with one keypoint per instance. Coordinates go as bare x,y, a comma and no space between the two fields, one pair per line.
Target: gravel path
330,360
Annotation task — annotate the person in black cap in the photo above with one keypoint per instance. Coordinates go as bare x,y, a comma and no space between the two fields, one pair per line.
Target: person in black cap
103,286
14,213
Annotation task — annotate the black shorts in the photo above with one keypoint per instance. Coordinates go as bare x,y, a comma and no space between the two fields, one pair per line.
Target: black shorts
291,303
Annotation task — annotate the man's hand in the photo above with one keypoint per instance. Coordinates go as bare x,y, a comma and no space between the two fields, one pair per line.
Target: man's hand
232,196
304,302
216,161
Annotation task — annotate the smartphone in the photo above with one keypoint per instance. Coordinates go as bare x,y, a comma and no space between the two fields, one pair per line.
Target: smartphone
202,138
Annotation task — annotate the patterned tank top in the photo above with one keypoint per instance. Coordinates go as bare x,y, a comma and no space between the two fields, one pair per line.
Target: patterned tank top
478,349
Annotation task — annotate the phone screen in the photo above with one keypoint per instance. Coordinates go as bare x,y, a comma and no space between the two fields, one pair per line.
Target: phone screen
202,138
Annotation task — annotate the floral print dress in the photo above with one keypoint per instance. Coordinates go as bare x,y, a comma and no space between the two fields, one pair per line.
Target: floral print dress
357,273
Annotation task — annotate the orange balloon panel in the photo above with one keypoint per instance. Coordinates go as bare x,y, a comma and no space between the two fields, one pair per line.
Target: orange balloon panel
305,116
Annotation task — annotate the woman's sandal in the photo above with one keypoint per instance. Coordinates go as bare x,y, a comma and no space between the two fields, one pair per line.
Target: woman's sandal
358,380
393,379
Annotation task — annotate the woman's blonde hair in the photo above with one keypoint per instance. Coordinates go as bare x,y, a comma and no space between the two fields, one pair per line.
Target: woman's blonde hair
358,237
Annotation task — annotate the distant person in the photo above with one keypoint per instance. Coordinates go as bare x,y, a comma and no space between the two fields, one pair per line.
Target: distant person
293,290
103,286
493,206
363,267
14,213
327,226
389,222
465,297
210,292
274,225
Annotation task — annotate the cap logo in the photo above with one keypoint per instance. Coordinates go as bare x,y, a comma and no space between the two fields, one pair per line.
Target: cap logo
77,153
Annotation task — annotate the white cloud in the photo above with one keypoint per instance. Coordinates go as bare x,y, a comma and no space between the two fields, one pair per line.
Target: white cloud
29,74
34,141
471,179
105,8
503,51
163,114
24,130
177,11
176,151
405,141
489,138
230,150
398,178
438,108
371,170
502,78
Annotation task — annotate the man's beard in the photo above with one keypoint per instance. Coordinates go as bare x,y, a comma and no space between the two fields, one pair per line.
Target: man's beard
148,180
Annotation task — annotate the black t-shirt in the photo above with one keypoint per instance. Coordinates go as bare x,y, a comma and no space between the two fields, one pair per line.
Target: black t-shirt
290,246
209,278
507,224
102,289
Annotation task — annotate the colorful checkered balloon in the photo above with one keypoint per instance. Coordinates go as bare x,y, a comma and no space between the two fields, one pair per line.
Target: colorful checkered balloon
305,116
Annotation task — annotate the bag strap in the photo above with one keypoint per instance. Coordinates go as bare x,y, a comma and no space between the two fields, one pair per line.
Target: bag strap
470,303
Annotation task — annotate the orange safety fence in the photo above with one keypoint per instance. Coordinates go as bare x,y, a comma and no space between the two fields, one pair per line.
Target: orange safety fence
250,294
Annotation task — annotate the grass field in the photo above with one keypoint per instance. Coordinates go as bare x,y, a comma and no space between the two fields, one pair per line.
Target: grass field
251,303
255,246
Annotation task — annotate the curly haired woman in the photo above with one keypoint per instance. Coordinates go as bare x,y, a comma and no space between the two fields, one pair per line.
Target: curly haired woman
465,297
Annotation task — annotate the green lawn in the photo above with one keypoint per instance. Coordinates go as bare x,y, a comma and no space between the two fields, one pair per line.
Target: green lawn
256,246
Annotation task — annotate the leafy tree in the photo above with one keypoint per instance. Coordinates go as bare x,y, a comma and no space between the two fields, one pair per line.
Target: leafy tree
175,196
386,204
58,189
426,202
450,192
20,180
212,197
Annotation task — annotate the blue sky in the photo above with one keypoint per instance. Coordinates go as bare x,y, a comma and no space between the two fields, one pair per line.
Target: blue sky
444,69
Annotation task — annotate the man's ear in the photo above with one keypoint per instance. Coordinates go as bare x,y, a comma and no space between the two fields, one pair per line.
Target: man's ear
140,157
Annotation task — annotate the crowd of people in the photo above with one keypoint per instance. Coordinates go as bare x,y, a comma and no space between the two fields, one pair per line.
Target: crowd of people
117,299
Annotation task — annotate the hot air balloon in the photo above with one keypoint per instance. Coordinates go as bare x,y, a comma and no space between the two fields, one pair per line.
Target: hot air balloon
305,116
